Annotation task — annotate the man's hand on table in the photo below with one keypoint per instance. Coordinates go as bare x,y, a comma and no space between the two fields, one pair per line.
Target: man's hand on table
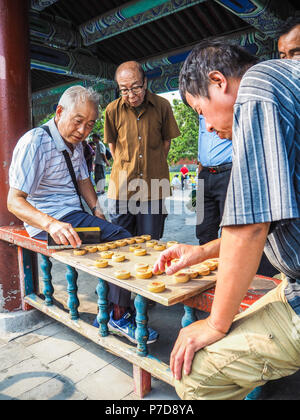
186,254
64,234
190,340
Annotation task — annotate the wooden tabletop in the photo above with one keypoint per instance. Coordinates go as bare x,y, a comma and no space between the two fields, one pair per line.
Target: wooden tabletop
174,293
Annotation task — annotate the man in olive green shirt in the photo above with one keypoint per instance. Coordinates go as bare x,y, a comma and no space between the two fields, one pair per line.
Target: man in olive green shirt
139,127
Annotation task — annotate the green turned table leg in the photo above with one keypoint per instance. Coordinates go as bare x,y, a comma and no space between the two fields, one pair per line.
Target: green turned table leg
141,318
46,266
189,316
73,301
103,315
141,378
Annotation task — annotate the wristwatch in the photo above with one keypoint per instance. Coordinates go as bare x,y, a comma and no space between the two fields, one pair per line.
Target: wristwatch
94,209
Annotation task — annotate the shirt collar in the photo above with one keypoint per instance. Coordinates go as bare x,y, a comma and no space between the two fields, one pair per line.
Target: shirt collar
149,98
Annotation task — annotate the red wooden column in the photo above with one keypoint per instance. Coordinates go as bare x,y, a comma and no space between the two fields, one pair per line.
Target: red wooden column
15,120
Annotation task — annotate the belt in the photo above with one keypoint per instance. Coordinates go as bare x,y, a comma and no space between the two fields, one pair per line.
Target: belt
217,169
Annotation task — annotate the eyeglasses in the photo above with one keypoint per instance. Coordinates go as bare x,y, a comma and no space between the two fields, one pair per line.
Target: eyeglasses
136,90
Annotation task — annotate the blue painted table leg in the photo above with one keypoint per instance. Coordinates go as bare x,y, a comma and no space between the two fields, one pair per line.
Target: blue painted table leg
255,394
73,301
103,315
189,316
46,266
141,333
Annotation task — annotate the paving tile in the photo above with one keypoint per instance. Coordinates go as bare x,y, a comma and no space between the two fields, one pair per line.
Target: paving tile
11,354
107,384
132,396
58,388
3,343
79,364
40,334
53,348
23,377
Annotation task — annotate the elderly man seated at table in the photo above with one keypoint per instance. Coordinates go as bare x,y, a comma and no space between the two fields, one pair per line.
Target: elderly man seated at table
43,195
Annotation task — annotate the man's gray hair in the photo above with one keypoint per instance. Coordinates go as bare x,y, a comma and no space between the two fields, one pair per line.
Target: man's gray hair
76,94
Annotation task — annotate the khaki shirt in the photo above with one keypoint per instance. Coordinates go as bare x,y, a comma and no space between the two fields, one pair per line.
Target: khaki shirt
140,167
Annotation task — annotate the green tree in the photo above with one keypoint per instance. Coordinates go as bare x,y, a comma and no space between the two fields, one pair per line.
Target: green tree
99,126
185,146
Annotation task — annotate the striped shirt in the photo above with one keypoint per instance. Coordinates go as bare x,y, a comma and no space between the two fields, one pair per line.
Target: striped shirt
39,169
265,179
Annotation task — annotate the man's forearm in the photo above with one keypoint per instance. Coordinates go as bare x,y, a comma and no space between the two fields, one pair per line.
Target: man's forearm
19,206
87,191
240,254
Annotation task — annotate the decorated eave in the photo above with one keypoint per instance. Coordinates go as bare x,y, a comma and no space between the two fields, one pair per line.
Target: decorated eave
79,41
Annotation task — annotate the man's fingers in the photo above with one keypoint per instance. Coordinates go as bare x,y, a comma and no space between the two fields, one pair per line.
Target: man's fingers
73,237
178,363
182,358
64,234
165,259
188,357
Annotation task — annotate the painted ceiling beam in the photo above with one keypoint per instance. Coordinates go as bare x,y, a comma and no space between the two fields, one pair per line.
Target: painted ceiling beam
264,15
131,15
254,41
41,4
73,63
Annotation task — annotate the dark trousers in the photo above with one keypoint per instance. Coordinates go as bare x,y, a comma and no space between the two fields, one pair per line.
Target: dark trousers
146,218
215,190
109,232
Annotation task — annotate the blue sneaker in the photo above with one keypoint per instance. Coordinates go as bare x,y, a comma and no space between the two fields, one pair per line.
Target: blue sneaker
126,327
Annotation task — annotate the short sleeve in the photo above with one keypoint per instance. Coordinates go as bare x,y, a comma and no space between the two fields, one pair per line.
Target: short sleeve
261,187
27,166
110,131
170,128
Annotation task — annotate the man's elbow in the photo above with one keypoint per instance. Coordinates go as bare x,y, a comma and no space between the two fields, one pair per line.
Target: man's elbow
249,232
10,204
13,200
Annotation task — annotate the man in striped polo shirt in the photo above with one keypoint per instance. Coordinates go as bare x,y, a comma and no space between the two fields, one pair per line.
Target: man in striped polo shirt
43,195
257,105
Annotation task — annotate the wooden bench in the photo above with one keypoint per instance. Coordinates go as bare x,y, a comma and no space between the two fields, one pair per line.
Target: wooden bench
193,296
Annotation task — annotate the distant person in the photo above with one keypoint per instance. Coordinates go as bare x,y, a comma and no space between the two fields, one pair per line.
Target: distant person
184,174
176,184
89,154
100,163
215,158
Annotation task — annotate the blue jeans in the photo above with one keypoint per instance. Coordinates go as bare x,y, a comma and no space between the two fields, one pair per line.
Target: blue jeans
109,232
148,218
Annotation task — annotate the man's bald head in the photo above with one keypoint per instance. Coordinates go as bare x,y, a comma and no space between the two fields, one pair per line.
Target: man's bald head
132,67
132,83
